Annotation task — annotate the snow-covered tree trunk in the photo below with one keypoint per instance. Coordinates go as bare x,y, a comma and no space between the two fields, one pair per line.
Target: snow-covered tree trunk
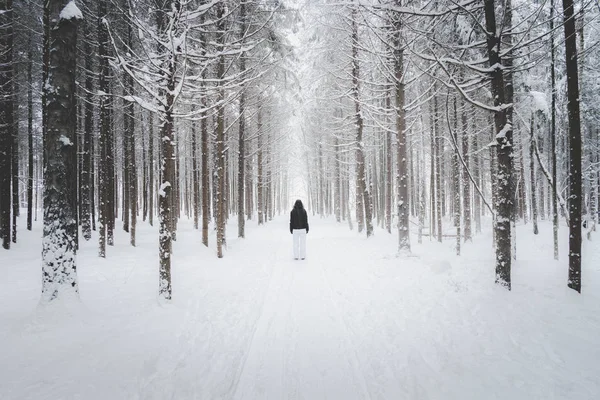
504,150
205,174
259,166
363,197
166,23
466,183
456,178
338,181
195,177
389,180
104,128
553,132
241,160
532,178
87,163
574,201
402,165
437,154
131,166
59,269
151,183
477,177
30,152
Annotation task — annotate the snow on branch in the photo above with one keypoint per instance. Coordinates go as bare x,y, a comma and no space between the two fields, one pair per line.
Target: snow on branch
71,11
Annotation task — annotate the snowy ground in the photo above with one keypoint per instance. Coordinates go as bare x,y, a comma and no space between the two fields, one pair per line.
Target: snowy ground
352,321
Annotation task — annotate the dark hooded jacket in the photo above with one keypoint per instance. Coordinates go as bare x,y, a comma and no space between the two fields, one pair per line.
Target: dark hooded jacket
298,217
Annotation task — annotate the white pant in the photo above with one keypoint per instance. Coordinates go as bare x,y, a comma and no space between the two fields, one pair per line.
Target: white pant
299,243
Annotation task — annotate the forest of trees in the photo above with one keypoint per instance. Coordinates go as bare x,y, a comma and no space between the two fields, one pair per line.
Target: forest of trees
407,115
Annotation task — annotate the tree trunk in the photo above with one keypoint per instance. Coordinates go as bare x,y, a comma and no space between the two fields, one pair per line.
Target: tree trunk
504,150
131,161
532,178
477,178
362,190
195,178
6,117
338,182
456,177
259,165
29,133
59,269
438,170
468,235
403,199
574,201
103,170
553,134
220,144
241,136
167,163
88,124
151,168
205,175
389,184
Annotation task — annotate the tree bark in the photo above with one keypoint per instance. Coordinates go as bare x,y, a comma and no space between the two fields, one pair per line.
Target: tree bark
86,182
205,175
220,150
532,178
59,268
402,165
363,196
104,121
504,151
29,133
574,201
6,117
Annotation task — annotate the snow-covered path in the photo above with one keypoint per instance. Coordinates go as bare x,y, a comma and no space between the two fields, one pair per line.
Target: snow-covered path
351,321
301,348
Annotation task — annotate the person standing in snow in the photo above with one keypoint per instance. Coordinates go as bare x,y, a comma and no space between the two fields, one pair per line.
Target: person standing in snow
299,228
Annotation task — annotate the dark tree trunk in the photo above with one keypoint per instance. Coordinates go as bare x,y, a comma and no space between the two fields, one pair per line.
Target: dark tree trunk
104,128
574,201
151,168
29,134
205,176
6,117
504,151
553,134
130,161
14,155
59,273
167,162
195,177
86,182
133,181
144,170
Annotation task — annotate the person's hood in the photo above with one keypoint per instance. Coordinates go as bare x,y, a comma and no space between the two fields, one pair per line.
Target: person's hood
298,204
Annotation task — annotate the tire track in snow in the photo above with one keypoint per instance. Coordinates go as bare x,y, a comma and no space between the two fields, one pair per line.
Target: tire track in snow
236,383
356,362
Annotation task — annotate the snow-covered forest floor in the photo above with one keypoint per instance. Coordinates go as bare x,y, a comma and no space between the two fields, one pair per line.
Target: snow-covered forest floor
351,321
